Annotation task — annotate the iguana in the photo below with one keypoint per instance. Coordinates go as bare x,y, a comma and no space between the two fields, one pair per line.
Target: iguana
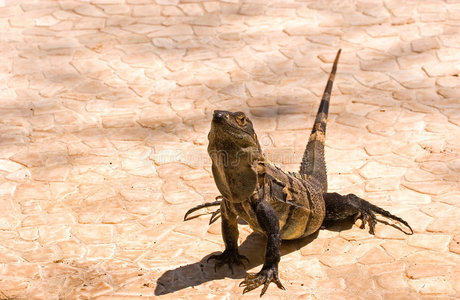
281,205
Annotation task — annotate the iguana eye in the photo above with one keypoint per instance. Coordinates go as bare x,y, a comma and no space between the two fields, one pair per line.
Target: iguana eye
241,120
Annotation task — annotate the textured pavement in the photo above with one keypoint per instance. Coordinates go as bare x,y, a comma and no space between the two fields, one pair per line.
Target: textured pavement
104,112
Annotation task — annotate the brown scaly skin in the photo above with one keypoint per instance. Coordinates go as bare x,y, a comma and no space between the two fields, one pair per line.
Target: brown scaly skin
278,204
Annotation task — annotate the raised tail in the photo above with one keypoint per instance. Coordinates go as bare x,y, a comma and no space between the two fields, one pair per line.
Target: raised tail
313,162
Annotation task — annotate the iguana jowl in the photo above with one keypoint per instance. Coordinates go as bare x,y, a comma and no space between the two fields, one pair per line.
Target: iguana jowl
281,205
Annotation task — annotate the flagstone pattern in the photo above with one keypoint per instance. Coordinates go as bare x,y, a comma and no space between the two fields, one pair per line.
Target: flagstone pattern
104,112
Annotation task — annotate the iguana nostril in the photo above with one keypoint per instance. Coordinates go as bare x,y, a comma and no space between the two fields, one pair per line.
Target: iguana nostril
219,115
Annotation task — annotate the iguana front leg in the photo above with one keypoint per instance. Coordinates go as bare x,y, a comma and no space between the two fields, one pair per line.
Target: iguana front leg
268,221
230,233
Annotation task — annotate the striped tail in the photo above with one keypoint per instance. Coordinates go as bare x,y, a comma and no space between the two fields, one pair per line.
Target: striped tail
313,162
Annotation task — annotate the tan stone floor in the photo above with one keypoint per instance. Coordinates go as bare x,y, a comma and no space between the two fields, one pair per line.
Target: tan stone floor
104,111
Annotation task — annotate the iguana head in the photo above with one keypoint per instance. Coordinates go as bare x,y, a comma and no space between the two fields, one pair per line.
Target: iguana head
234,151
235,129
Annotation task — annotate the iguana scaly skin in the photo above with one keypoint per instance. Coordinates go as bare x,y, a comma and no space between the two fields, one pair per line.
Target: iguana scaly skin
280,205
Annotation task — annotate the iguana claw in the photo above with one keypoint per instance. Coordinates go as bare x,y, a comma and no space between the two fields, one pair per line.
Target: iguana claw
265,277
228,258
368,217
214,216
204,205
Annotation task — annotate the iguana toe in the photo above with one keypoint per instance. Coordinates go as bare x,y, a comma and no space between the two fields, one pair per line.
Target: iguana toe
229,258
368,217
265,277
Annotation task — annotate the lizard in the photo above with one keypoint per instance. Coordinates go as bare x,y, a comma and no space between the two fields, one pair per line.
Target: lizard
280,205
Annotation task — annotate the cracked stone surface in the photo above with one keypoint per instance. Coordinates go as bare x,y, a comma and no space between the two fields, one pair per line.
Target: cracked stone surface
105,108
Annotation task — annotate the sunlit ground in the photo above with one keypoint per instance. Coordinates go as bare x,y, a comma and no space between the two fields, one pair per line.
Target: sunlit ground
105,108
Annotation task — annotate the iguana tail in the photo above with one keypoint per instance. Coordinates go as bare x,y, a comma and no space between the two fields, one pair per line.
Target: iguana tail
313,162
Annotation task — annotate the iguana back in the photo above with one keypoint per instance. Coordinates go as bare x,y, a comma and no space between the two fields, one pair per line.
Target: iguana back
297,200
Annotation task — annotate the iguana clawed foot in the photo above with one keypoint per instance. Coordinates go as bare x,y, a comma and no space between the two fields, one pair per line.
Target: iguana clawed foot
229,258
366,212
367,216
265,277
215,215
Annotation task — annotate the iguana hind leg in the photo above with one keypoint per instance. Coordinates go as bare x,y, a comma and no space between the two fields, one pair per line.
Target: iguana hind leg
339,207
215,214
313,162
